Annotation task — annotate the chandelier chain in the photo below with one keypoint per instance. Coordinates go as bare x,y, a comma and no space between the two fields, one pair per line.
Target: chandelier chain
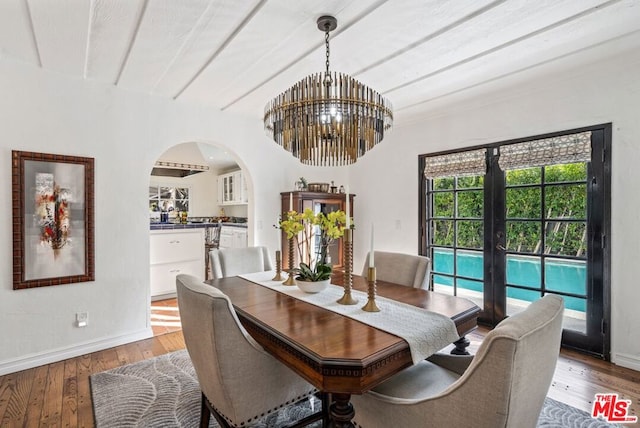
326,42
327,76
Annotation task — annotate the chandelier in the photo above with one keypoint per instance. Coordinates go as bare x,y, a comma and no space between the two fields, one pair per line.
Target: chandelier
328,119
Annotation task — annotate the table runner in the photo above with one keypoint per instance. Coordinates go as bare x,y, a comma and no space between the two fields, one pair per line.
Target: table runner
426,332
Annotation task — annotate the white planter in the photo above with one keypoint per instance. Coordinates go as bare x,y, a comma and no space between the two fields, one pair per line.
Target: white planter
313,286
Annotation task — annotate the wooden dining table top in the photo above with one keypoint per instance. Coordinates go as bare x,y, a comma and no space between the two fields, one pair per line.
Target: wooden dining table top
333,352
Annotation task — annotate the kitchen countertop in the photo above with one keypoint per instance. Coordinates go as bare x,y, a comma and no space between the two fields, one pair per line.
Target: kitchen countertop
175,226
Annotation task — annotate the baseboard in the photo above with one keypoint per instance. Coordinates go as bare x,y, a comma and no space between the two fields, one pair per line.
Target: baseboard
626,360
35,360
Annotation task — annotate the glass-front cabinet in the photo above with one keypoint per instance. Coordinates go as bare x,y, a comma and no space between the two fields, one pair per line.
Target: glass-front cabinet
318,202
232,189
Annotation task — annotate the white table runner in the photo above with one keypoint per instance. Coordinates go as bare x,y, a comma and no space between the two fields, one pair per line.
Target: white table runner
426,332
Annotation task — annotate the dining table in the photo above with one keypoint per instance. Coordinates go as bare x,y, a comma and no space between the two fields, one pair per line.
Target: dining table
337,354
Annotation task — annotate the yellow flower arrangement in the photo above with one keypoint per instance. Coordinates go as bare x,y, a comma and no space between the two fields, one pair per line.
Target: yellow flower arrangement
302,227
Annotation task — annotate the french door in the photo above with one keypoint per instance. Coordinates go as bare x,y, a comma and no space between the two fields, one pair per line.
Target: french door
508,223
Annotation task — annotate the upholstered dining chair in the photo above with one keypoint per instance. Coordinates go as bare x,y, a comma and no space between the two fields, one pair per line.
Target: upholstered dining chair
240,382
406,269
227,262
503,385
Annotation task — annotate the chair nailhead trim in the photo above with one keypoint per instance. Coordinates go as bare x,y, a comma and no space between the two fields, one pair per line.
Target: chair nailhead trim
242,424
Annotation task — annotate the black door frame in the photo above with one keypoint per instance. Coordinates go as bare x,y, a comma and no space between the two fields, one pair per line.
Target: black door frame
597,341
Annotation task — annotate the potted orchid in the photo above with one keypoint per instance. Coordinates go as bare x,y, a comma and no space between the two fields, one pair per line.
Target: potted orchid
303,228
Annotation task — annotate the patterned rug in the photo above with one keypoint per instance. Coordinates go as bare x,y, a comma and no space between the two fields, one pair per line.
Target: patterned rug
164,392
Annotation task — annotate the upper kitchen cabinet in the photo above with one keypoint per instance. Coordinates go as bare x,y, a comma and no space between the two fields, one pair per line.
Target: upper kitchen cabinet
232,189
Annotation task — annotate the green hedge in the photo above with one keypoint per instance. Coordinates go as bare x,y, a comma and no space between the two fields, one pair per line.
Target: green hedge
524,205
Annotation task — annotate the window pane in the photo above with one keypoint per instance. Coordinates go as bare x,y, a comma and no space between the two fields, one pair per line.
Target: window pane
182,205
443,261
443,183
443,232
566,238
565,172
524,236
443,204
566,201
567,276
524,202
443,284
470,234
470,203
523,270
153,192
574,307
166,192
470,263
471,181
466,284
518,300
524,176
182,193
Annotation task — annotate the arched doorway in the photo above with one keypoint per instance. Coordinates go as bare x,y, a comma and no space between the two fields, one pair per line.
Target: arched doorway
199,198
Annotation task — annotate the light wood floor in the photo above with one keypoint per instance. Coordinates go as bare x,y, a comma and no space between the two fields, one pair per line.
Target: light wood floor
58,394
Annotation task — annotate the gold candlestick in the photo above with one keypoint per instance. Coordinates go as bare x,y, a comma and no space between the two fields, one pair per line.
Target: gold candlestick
347,299
278,276
290,280
371,296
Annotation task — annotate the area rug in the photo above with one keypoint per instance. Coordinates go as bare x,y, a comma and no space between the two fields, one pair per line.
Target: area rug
164,392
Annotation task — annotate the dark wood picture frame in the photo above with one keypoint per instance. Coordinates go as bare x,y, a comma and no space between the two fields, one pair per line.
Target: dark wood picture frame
53,232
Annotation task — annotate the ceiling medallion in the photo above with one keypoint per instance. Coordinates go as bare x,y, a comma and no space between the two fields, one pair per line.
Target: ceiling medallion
328,119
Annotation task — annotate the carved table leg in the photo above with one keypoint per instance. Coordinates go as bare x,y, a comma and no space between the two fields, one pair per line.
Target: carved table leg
461,346
326,403
341,411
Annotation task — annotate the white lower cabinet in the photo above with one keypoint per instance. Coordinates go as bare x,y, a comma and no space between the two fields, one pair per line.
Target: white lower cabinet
240,238
233,237
174,252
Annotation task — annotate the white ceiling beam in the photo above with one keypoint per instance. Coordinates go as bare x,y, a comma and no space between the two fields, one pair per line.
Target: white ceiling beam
61,32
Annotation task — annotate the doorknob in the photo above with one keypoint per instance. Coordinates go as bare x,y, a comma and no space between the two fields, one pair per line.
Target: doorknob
500,247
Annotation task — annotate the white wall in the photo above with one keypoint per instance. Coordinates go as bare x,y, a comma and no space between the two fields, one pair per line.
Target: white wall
387,178
125,133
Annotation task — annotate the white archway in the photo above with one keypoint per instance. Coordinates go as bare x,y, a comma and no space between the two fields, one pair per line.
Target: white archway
204,205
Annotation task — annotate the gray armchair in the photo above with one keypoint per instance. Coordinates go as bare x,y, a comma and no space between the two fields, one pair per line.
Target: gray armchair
227,262
504,385
240,382
406,269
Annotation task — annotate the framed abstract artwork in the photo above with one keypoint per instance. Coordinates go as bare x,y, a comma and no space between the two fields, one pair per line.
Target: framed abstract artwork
53,232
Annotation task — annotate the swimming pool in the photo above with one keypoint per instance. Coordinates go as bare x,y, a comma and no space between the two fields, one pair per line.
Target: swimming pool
569,276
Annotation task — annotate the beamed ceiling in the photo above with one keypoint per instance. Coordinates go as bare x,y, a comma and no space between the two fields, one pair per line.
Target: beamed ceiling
235,55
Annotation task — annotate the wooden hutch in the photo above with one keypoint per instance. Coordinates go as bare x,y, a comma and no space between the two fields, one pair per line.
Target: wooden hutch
318,202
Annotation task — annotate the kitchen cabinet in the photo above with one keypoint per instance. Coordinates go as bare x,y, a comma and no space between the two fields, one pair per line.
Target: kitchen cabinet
173,252
233,237
232,189
318,202
240,238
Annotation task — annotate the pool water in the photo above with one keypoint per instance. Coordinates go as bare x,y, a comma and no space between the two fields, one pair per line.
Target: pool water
568,276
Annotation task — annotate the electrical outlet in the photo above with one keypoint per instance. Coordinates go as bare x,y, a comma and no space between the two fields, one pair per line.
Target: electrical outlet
398,225
82,319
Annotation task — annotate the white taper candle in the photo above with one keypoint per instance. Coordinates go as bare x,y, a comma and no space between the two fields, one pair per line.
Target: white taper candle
371,261
348,211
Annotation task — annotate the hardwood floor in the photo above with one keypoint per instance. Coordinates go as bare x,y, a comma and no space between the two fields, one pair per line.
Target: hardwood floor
58,394
165,317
